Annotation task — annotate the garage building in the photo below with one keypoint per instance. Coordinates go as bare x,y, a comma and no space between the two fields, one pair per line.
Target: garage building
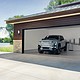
29,30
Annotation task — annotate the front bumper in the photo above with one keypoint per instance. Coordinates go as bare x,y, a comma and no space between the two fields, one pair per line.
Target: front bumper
48,48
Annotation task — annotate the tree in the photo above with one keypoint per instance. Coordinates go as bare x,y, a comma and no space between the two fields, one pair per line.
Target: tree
10,27
15,17
1,40
54,3
51,5
6,40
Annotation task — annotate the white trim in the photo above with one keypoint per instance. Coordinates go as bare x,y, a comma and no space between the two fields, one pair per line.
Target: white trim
67,15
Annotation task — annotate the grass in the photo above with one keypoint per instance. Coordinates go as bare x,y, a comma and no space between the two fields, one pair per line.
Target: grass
6,49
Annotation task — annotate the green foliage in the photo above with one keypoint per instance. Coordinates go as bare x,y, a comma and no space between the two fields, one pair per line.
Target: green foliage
6,49
1,40
51,5
5,40
54,3
67,1
17,16
11,37
10,29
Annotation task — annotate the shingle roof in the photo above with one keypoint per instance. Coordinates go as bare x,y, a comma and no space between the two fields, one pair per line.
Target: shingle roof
60,8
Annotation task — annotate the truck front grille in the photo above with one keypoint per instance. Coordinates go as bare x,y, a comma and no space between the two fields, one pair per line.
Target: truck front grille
45,48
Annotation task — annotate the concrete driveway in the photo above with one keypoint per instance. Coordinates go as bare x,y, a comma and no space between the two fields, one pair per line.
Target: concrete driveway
68,61
15,70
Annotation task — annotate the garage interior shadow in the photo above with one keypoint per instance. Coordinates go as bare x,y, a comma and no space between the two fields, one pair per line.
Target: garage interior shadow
69,60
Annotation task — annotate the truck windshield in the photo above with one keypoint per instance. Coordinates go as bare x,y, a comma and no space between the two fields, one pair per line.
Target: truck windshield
52,37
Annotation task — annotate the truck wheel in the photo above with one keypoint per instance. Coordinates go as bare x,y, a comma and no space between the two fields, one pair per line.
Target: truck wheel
65,48
39,50
59,50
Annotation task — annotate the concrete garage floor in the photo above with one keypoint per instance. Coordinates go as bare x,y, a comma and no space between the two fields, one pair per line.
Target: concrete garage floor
68,61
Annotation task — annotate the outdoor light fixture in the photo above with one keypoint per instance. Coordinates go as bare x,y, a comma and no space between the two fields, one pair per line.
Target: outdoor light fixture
18,32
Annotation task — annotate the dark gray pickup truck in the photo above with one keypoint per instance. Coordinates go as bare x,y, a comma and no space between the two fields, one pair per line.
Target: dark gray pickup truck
52,44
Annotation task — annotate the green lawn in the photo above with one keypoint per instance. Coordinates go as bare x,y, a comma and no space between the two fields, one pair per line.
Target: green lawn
6,49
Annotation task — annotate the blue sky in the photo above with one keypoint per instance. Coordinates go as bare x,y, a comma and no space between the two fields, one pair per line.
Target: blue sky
10,8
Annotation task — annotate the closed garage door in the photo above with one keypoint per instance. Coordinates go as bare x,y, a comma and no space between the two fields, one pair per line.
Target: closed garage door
33,36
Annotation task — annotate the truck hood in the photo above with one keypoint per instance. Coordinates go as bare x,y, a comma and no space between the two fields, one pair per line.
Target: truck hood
50,40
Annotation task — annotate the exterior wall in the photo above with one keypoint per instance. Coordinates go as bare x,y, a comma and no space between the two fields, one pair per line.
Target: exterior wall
71,32
17,46
66,21
32,38
54,23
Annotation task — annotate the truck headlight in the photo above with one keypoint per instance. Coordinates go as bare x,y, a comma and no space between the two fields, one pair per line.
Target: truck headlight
55,44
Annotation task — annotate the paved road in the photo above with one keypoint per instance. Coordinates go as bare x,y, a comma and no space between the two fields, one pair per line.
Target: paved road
67,61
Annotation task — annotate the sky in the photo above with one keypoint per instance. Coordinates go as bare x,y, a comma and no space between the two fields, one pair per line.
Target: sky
10,8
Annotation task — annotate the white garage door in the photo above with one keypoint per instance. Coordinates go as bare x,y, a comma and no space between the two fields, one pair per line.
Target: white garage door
32,37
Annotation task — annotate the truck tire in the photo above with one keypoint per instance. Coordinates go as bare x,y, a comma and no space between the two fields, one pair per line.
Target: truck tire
65,48
59,50
39,50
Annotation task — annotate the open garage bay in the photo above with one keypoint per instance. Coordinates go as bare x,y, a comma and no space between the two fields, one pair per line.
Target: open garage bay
33,36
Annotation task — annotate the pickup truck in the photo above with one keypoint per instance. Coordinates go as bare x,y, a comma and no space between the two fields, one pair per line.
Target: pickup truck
52,44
